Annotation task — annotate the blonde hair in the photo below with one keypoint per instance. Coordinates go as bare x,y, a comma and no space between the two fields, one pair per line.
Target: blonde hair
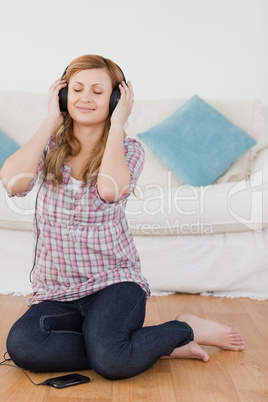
66,142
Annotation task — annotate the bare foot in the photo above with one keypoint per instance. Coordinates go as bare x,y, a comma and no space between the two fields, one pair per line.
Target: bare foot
211,333
189,351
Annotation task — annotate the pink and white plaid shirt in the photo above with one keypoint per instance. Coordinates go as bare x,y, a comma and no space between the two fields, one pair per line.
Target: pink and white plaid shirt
82,243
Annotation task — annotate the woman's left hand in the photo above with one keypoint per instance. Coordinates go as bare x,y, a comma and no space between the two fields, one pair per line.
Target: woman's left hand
124,106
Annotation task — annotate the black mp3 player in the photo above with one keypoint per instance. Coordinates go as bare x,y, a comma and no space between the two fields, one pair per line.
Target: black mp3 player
66,380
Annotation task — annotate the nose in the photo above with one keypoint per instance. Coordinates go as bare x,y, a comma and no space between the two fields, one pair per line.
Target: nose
86,98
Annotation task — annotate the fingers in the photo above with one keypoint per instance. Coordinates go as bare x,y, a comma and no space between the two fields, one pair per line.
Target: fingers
125,104
57,85
54,112
127,87
126,90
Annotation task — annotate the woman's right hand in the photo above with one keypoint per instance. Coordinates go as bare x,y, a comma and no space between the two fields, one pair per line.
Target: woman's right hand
54,115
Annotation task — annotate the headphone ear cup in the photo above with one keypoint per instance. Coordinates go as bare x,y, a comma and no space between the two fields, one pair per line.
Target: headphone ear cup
63,99
114,99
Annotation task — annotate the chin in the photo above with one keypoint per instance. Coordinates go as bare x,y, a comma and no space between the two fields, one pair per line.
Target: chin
88,118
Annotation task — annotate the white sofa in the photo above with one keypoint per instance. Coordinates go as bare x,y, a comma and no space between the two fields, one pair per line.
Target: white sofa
208,240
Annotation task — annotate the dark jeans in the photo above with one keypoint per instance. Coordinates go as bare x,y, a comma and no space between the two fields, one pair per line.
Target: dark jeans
102,331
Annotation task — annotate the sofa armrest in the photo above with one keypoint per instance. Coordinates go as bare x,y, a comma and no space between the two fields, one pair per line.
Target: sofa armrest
261,164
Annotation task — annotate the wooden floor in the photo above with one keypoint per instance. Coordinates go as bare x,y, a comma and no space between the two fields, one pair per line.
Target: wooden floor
228,376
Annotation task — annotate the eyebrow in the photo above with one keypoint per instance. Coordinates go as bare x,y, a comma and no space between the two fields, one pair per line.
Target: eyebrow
77,82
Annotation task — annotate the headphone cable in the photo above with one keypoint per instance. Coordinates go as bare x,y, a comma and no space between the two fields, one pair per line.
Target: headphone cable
3,363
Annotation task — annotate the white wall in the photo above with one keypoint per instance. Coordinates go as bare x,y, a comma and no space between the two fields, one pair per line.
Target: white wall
168,48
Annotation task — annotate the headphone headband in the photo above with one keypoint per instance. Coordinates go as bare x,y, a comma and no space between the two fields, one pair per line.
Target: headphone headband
64,72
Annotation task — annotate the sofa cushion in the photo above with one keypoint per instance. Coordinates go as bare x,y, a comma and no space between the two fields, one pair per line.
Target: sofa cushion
7,148
197,143
186,210
251,116
175,210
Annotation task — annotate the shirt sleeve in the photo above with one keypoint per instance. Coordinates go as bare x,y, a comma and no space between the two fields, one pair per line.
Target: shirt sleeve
39,170
135,157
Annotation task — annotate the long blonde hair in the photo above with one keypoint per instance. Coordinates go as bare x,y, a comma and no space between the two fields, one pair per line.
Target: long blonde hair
66,142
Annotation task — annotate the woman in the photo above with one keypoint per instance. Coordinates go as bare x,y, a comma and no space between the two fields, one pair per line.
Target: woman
89,296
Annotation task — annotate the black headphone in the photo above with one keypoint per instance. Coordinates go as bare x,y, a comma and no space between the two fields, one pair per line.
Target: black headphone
114,99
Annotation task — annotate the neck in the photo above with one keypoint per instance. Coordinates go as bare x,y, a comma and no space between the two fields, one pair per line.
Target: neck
88,136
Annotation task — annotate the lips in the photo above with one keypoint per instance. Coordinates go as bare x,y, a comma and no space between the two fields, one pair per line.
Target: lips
85,109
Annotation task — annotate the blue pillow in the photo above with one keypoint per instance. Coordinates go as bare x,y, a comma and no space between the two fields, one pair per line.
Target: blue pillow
7,147
197,143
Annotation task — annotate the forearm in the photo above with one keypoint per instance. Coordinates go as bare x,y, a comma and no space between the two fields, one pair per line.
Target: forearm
19,169
114,177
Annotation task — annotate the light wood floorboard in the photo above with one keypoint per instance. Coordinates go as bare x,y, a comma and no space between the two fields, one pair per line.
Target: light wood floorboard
228,376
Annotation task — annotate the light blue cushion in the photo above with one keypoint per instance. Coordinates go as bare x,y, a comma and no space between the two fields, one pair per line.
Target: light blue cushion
7,147
197,143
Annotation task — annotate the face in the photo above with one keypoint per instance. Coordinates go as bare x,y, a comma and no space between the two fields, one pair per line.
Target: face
89,94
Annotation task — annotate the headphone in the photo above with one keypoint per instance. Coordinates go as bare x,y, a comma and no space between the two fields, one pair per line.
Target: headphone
114,99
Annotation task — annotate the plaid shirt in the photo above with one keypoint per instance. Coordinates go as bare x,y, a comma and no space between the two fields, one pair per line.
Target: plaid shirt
82,243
